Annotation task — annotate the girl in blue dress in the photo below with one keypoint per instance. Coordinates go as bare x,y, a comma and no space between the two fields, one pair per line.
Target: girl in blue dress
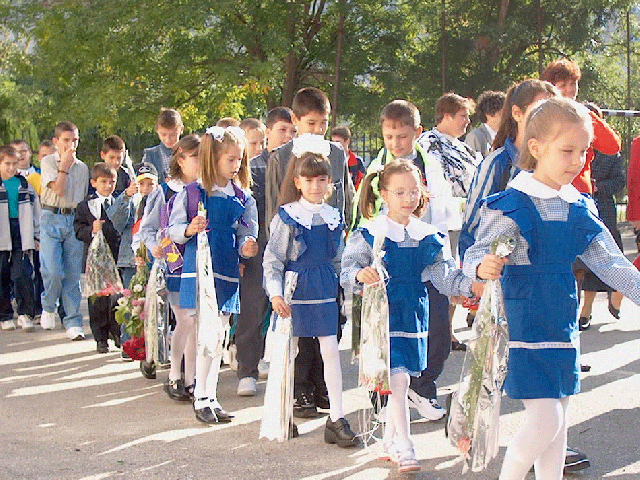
552,224
306,235
232,225
413,255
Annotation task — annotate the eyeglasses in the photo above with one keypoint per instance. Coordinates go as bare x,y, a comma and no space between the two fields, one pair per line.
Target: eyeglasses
402,194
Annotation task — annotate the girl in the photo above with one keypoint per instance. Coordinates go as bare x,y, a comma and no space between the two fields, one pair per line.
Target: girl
499,167
232,229
305,237
413,255
552,224
183,169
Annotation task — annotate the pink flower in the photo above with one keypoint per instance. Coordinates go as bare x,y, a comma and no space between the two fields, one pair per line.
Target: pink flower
126,292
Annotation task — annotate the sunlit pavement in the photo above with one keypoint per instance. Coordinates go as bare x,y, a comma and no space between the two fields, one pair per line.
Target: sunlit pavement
70,413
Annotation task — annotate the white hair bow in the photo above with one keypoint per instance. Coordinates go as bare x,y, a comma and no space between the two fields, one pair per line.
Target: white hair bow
218,132
312,144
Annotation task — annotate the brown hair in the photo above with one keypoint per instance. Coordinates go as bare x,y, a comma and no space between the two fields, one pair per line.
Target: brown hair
186,144
252,124
521,95
64,127
114,142
403,112
210,152
101,169
7,151
562,69
168,118
369,197
451,103
278,114
341,131
308,165
310,99
225,122
545,122
46,144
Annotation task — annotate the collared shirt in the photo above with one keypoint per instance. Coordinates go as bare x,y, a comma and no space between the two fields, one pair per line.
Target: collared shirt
77,182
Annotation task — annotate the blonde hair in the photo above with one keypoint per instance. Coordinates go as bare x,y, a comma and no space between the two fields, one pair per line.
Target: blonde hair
546,122
369,195
210,152
309,165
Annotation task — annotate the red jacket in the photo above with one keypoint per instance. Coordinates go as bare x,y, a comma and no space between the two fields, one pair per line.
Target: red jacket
633,181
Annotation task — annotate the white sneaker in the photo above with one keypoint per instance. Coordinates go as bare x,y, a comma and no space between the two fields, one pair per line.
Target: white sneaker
247,387
75,333
427,407
48,320
233,357
263,369
8,325
25,323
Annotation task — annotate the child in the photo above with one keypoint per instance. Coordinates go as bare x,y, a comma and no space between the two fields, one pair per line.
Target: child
91,217
414,253
305,238
232,229
19,240
342,135
254,132
169,128
112,153
552,224
489,111
184,168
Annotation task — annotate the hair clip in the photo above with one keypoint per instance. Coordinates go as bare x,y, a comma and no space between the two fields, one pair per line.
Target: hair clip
309,143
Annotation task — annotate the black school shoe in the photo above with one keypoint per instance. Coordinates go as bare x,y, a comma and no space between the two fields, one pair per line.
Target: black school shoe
175,390
206,415
584,323
575,461
339,432
321,401
102,346
304,407
148,369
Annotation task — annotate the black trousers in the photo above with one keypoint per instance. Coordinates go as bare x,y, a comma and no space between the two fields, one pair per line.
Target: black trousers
102,318
16,270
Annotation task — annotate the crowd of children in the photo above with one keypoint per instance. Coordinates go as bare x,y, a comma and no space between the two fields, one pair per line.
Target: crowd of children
276,201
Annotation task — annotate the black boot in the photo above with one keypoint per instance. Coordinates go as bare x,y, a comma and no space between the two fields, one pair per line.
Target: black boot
339,432
148,370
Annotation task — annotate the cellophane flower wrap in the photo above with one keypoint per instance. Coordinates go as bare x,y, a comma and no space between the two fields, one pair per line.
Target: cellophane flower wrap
473,423
101,274
374,364
278,397
155,300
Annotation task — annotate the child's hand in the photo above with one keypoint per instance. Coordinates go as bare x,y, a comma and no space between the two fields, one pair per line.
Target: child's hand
457,300
157,252
250,248
132,189
477,288
97,226
67,157
197,225
490,267
280,307
368,276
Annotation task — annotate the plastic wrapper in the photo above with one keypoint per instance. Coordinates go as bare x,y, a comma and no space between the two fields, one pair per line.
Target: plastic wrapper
473,422
155,304
277,421
101,274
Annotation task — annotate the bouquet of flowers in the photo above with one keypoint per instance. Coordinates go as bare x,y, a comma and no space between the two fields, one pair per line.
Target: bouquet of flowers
101,275
473,423
130,310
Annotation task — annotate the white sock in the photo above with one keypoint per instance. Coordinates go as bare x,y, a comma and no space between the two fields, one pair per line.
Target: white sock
332,374
397,426
207,370
185,327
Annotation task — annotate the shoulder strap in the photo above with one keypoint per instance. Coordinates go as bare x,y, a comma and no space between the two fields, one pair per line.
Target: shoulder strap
239,193
194,197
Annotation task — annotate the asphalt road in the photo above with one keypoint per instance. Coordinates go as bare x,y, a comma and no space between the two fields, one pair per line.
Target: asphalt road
70,413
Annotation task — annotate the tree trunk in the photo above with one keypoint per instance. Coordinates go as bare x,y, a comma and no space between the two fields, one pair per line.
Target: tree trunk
336,78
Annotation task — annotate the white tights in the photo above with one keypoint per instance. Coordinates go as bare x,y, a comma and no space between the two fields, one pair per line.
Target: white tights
207,371
332,374
183,342
397,422
541,442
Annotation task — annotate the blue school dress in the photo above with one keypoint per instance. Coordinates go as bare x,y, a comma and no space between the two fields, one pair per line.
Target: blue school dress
541,301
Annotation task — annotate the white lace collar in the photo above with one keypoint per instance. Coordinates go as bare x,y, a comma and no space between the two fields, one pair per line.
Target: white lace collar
383,225
303,211
525,183
227,189
175,184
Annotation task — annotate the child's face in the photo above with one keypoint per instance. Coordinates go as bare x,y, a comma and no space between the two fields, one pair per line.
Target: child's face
190,166
255,142
402,195
560,159
44,151
313,189
169,136
113,158
568,88
104,185
24,155
66,141
229,163
399,138
8,167
457,124
281,133
146,186
313,122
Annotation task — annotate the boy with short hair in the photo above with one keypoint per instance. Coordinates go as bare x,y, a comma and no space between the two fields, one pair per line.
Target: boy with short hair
489,111
169,128
112,153
19,236
254,134
91,217
342,135
45,148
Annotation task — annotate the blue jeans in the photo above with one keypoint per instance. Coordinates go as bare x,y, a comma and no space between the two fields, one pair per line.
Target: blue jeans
60,266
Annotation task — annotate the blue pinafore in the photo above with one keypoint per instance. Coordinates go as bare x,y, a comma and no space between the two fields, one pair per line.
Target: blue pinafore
408,300
314,307
541,301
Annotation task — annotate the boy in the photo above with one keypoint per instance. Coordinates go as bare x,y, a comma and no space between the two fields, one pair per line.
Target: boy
65,180
112,153
91,217
342,135
254,133
490,105
169,128
311,109
19,232
253,301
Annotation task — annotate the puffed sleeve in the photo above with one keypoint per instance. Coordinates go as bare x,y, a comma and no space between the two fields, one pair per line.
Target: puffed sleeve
357,255
275,257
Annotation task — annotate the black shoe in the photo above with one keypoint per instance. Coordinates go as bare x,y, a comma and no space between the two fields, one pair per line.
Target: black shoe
205,415
575,461
304,407
189,391
102,346
175,390
458,346
584,323
321,401
339,432
222,415
148,370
